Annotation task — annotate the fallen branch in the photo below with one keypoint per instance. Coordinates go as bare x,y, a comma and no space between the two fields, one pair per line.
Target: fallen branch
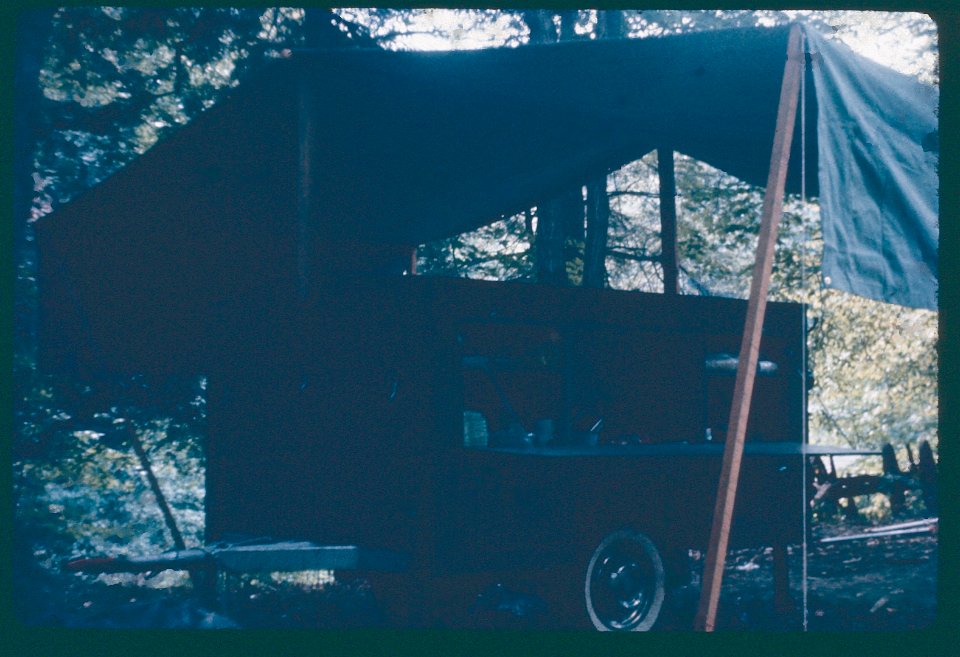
920,527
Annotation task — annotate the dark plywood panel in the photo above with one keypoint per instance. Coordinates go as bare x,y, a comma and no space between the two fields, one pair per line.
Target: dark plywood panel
355,432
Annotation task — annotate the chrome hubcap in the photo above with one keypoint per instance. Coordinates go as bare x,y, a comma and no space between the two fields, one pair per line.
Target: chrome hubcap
624,585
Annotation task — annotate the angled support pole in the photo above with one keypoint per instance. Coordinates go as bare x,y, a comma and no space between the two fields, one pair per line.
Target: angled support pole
750,345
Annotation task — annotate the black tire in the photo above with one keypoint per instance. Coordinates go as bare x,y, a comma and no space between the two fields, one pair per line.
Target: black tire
625,583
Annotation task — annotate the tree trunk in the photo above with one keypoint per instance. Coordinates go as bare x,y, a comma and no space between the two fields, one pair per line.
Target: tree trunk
568,24
540,24
598,221
610,25
548,240
551,265
560,217
668,221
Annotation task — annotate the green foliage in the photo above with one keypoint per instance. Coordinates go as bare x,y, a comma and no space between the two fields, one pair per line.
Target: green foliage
634,234
115,80
499,251
438,29
877,372
78,480
118,79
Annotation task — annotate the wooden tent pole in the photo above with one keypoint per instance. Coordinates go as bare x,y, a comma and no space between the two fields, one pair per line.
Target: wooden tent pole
668,221
305,141
750,346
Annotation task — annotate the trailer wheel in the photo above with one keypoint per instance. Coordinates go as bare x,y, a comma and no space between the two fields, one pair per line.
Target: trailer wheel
624,586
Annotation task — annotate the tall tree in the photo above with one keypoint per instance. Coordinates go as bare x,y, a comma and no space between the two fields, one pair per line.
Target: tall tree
611,24
561,218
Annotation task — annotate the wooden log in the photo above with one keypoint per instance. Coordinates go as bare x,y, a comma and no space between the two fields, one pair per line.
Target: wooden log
750,346
928,525
904,525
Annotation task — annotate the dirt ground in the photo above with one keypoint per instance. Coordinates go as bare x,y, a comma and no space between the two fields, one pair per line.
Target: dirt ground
883,583
879,583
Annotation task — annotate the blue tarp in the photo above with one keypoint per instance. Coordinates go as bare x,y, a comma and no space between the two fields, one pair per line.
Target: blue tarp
878,155
173,256
457,139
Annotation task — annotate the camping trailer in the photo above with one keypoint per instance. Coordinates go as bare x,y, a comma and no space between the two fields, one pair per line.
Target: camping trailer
435,427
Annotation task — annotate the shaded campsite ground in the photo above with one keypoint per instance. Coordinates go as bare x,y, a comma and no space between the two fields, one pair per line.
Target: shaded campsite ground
884,583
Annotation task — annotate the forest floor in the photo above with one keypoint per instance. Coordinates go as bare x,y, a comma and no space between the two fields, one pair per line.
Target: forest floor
866,584
861,585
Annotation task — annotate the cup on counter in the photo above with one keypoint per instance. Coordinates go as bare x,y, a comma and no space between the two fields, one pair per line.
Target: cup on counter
475,433
589,439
